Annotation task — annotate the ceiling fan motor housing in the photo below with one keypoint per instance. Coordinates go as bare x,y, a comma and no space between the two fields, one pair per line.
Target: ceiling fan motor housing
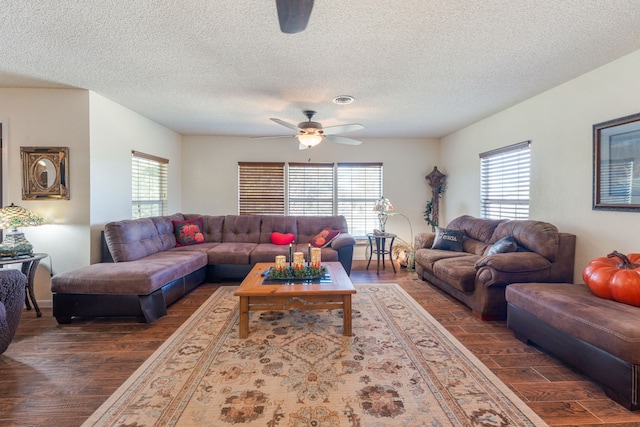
310,127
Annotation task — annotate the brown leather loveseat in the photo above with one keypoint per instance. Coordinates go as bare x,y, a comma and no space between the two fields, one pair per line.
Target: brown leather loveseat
474,259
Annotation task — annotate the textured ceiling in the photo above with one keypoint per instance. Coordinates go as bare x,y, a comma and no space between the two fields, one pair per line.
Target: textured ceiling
417,68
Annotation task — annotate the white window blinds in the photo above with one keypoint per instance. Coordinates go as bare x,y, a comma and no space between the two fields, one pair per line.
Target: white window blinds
311,189
349,189
261,188
149,185
359,186
505,182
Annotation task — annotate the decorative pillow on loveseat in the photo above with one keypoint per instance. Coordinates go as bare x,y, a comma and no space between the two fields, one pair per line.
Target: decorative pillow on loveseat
448,240
188,231
324,238
503,246
278,238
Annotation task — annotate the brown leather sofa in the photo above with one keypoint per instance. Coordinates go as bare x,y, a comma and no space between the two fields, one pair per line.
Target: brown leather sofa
478,277
150,272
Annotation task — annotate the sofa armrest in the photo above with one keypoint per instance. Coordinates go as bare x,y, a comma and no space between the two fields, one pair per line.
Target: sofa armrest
424,240
514,262
342,240
500,270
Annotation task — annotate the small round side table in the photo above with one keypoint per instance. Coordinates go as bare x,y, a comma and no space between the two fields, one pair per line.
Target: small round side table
29,267
380,241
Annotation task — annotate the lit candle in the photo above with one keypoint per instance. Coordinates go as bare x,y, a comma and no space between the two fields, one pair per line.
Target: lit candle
315,257
281,261
290,254
309,255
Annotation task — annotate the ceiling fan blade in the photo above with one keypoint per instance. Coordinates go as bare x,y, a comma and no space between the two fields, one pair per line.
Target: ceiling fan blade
342,140
332,130
293,15
274,136
286,124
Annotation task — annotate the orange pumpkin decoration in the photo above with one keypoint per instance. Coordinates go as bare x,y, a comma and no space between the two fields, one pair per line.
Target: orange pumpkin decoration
616,277
191,229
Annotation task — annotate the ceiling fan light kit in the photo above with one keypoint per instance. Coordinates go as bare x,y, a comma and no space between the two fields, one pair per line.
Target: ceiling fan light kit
309,140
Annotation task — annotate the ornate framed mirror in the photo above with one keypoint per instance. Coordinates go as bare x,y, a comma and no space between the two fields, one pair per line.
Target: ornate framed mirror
616,164
45,173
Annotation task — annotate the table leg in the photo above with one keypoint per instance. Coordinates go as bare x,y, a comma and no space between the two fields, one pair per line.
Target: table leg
391,254
29,270
244,317
370,251
346,315
378,253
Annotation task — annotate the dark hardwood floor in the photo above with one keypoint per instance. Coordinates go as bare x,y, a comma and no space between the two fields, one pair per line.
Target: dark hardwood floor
57,375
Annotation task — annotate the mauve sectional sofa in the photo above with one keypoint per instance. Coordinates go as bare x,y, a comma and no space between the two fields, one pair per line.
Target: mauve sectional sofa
149,272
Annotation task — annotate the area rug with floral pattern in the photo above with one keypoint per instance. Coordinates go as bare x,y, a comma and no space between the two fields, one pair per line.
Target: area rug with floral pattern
400,367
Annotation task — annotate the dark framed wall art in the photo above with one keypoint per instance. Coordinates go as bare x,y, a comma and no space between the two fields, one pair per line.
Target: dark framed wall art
616,164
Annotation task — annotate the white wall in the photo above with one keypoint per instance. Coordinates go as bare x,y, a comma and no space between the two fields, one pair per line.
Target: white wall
559,124
210,171
50,117
115,132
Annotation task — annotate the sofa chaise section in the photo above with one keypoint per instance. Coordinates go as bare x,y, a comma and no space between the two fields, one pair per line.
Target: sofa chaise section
142,283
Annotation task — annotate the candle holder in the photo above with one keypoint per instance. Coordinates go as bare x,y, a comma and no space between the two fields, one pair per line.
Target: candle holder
290,273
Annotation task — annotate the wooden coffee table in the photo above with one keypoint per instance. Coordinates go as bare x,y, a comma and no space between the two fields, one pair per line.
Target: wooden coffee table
333,294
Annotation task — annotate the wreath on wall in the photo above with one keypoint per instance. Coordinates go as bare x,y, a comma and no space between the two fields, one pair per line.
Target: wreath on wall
437,182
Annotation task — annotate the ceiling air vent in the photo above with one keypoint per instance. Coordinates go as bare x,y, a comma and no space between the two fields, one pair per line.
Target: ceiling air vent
343,99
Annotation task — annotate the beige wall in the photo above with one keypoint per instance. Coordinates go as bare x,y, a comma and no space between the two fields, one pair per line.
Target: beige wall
210,171
559,124
50,117
100,135
115,132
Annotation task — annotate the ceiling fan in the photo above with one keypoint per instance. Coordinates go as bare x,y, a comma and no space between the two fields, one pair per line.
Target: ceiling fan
310,133
293,15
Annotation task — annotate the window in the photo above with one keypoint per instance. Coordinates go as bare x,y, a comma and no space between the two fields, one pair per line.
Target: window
359,186
504,182
349,189
149,185
261,188
311,189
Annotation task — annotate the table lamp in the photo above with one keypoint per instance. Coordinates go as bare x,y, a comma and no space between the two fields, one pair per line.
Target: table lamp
383,206
12,217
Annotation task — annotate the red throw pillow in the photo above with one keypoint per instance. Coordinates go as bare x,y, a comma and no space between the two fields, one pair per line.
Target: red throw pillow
282,238
324,238
188,232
